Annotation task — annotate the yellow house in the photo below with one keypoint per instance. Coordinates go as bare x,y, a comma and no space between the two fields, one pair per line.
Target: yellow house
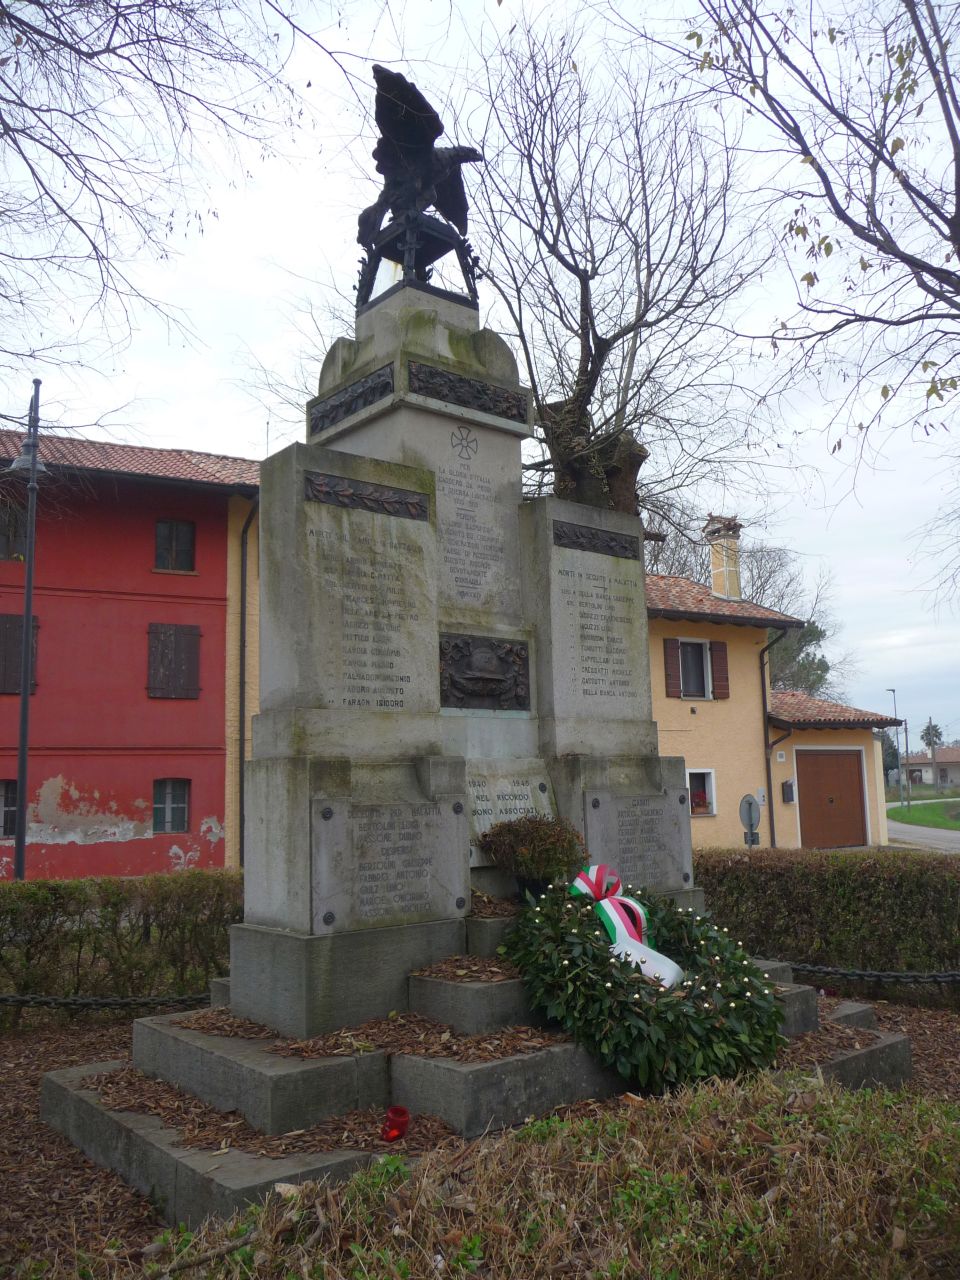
815,766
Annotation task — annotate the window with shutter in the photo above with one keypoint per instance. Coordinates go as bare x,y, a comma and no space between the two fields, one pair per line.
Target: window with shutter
13,532
671,667
175,545
173,663
11,652
719,669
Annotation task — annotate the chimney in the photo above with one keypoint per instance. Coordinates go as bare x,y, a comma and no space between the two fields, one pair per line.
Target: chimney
723,535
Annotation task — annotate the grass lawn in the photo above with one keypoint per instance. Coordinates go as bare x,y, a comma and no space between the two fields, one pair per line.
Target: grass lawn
945,815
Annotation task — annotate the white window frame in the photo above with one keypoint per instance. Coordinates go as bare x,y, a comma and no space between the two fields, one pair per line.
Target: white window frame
707,671
711,776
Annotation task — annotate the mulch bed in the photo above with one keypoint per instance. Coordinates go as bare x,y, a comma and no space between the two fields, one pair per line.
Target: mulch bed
56,1203
205,1128
470,969
486,907
403,1033
934,1043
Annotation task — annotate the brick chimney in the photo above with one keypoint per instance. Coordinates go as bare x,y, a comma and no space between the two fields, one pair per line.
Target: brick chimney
723,535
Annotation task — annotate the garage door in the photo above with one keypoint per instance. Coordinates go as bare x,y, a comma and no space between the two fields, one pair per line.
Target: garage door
830,795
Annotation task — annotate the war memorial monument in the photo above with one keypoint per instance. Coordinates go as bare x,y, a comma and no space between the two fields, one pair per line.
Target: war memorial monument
437,654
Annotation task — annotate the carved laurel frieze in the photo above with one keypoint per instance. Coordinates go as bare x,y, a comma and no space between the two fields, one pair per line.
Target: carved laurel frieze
582,537
469,393
361,495
351,399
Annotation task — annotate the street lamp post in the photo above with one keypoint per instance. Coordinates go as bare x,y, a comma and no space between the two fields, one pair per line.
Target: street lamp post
897,732
27,462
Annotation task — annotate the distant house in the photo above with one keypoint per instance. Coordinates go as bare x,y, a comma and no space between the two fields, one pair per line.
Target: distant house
943,772
134,709
814,765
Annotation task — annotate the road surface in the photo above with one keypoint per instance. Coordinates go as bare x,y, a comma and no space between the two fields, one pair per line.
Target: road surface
924,837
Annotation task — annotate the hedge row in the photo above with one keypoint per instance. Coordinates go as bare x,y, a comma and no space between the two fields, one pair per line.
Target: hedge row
877,909
144,936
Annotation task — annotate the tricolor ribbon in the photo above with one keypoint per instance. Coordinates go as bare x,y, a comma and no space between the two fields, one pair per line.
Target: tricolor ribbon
625,921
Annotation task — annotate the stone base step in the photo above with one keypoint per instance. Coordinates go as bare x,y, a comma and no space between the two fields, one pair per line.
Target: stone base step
473,1097
185,1185
273,1093
485,936
853,1014
799,1005
472,1007
886,1063
775,970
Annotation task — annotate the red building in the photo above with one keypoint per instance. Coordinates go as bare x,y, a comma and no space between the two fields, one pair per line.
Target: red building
129,712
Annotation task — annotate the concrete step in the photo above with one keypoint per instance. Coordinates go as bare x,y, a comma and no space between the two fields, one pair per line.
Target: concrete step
185,1185
273,1093
884,1063
473,1097
799,1005
472,1007
853,1014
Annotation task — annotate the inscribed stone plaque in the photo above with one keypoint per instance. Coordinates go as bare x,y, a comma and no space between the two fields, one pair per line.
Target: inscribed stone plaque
477,496
374,608
599,634
387,864
499,790
645,838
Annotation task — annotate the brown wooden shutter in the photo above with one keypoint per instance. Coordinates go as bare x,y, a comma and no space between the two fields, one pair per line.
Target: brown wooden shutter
173,662
719,669
671,667
11,648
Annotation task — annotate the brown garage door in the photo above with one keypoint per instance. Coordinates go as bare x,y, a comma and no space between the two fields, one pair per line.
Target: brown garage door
830,794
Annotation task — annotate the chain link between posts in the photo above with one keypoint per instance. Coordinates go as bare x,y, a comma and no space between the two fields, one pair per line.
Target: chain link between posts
105,1002
874,975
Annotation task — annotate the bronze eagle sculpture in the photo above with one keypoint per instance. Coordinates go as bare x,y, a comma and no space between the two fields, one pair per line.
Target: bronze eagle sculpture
416,174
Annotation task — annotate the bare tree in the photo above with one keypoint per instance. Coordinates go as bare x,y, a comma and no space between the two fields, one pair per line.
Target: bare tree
863,101
106,106
607,232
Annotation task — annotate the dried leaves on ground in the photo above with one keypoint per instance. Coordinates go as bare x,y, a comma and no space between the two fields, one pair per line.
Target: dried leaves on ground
63,1214
403,1033
487,907
829,1041
471,969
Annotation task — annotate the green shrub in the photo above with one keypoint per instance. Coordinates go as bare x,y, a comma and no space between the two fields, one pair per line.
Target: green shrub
535,847
721,1021
878,909
150,935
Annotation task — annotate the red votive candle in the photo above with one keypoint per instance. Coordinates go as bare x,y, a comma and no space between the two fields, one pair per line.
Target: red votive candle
395,1125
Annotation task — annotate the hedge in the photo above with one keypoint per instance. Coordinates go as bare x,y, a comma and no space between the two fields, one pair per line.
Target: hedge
879,909
143,936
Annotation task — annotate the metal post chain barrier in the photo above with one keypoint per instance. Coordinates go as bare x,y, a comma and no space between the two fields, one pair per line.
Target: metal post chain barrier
105,1002
873,975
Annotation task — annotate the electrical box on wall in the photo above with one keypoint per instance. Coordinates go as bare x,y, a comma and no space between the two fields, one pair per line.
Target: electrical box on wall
786,789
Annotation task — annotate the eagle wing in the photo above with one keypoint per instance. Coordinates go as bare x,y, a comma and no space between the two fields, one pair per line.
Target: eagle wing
450,198
408,124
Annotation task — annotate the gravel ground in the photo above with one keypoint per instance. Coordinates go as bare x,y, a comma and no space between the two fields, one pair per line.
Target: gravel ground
57,1206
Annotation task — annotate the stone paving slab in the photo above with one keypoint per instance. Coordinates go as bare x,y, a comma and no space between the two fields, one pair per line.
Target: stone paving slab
273,1093
184,1184
475,1096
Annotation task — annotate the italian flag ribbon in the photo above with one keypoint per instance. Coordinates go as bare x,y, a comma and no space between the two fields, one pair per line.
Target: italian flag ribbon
626,923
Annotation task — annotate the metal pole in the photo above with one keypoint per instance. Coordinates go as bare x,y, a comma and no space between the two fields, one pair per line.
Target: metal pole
896,730
26,643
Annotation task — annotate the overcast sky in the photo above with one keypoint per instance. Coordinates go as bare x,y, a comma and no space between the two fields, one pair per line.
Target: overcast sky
294,221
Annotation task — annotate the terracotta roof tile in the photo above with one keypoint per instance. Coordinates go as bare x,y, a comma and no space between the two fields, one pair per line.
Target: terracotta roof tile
669,597
137,460
945,755
800,709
